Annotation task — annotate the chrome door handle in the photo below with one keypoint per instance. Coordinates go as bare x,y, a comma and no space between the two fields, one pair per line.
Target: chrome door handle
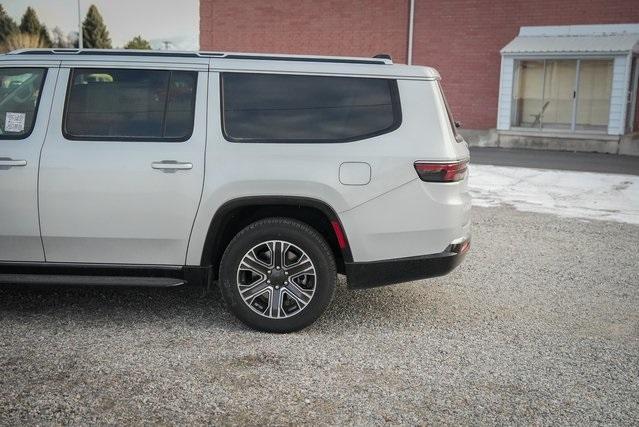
171,165
10,162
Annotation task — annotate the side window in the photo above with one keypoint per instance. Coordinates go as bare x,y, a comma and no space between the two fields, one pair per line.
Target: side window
133,105
305,109
20,90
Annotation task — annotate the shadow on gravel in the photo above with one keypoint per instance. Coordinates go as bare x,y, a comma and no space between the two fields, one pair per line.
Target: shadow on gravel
192,305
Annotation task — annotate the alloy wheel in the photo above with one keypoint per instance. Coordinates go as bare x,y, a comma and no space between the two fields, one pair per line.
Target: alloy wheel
276,279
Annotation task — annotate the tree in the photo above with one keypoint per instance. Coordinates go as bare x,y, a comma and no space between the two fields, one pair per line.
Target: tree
73,39
62,40
7,25
30,24
94,31
138,42
59,39
20,40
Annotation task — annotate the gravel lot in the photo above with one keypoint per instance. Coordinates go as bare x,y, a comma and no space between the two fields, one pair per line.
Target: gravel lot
539,325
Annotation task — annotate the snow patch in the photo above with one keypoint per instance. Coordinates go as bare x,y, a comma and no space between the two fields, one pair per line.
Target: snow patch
584,195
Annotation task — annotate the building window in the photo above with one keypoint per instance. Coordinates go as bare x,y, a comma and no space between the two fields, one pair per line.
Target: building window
593,95
562,94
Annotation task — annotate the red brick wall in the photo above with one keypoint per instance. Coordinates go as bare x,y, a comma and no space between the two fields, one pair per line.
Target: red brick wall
461,38
323,27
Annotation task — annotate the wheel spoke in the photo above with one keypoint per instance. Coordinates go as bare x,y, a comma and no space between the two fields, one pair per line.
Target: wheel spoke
285,247
278,254
303,266
251,262
301,296
275,302
254,289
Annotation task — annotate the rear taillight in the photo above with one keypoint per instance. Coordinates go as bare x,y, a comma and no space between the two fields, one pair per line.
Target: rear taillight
441,172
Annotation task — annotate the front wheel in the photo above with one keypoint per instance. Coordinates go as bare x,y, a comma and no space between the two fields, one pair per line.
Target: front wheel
278,275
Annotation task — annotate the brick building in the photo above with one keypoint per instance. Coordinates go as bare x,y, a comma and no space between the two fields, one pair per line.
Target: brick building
500,96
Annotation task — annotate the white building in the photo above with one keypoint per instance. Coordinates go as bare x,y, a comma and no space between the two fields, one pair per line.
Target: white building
571,85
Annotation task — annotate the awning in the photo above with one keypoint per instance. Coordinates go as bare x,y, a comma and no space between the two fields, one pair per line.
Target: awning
529,43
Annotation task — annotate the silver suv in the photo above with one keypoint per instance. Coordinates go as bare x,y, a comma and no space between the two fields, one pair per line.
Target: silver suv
269,174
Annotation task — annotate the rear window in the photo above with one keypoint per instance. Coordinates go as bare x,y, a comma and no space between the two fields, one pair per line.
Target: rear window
146,105
306,109
20,90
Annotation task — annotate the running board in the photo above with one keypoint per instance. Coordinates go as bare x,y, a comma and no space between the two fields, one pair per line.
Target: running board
55,279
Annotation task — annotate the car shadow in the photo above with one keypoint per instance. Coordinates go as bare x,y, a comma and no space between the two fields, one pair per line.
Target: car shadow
187,305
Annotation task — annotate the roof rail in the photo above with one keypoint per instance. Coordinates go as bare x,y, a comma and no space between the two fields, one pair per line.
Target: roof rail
205,54
306,59
115,52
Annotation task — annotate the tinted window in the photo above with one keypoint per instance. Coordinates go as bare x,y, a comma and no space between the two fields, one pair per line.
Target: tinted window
288,108
130,104
20,90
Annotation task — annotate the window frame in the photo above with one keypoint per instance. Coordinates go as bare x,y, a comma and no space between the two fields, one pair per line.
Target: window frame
5,137
395,103
71,137
449,113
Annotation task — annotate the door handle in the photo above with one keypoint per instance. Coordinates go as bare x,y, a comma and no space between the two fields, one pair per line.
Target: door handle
171,165
11,163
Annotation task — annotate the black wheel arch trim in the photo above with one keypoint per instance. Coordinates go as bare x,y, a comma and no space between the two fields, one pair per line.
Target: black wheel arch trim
221,217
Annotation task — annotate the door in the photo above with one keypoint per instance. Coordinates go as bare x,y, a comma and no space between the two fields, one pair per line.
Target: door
123,165
25,98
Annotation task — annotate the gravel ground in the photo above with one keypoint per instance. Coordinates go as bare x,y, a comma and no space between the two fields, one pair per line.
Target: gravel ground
539,325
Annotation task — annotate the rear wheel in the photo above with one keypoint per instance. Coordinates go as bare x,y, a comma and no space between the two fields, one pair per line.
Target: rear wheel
278,275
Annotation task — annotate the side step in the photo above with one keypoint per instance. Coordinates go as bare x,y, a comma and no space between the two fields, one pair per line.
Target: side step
55,279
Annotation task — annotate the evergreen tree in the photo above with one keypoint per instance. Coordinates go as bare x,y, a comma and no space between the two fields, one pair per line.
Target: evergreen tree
30,24
138,42
94,31
7,25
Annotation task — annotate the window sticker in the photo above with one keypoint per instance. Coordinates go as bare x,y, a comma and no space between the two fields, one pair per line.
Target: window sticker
14,122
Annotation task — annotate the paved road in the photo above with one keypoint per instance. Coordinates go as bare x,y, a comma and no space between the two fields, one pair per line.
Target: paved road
562,160
540,325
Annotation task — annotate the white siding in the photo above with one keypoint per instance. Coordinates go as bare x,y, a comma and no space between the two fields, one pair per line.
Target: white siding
505,93
618,96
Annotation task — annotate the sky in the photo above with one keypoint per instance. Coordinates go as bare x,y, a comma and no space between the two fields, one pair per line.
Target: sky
156,20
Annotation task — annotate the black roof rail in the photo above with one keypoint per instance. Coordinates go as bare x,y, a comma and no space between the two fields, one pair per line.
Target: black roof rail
109,52
304,59
383,56
379,59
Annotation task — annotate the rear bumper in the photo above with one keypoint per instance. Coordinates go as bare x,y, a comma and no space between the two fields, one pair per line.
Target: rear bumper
387,272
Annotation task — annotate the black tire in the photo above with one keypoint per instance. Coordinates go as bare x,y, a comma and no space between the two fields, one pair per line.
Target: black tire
305,238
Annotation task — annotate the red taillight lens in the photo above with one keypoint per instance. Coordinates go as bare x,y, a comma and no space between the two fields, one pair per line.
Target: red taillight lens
441,172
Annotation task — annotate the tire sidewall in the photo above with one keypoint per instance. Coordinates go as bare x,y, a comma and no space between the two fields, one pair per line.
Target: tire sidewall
300,235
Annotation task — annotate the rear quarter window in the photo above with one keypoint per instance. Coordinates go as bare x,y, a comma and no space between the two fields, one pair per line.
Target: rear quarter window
306,109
